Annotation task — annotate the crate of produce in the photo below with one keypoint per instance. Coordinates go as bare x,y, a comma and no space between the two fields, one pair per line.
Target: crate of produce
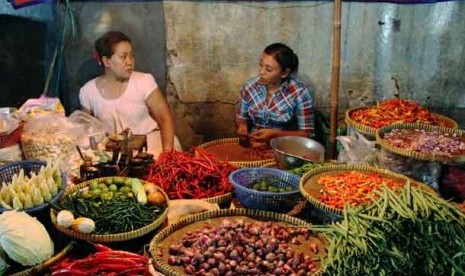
266,188
230,150
38,182
110,209
231,236
330,188
368,120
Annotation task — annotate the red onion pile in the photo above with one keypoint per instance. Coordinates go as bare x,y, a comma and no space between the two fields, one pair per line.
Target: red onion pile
432,142
236,247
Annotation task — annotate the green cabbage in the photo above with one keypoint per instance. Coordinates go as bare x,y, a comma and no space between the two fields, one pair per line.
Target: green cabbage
24,239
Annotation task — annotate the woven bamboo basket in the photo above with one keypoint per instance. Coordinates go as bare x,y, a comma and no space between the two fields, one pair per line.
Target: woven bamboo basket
108,237
237,163
310,189
221,199
420,155
272,164
40,268
156,242
371,131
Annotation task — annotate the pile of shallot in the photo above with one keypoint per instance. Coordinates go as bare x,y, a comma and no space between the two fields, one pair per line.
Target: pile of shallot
237,247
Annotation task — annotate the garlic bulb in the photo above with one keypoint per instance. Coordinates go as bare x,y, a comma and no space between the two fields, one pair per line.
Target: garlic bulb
65,218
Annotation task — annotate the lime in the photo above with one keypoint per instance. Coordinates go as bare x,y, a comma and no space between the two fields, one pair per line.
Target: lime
103,187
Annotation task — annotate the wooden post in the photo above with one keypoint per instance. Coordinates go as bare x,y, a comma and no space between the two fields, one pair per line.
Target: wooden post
335,76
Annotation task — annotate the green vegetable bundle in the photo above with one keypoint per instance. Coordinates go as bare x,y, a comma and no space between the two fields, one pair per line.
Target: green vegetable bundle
406,232
306,167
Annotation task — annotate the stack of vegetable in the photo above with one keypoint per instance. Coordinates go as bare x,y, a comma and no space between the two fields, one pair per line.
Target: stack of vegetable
407,232
186,176
393,111
24,192
111,206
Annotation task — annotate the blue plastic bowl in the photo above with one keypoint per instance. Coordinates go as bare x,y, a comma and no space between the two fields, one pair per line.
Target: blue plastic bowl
268,201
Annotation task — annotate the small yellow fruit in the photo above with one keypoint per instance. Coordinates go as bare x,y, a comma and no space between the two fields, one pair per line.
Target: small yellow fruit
83,225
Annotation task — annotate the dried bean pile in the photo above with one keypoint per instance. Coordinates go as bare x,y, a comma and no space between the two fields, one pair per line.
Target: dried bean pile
431,142
237,247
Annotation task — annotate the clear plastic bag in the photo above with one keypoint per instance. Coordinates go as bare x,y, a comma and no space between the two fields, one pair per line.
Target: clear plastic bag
424,171
358,150
92,128
51,138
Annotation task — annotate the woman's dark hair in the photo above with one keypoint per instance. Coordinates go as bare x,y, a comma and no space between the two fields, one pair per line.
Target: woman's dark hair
105,45
284,55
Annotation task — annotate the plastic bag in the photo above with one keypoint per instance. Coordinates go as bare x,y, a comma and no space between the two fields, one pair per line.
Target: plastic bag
41,106
357,150
180,208
424,171
91,127
7,124
51,137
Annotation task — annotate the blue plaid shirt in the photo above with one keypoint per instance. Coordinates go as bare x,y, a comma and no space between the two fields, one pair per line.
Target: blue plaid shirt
290,108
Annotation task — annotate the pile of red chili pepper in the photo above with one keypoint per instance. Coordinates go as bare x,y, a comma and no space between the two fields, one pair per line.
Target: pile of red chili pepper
393,111
183,175
105,262
353,187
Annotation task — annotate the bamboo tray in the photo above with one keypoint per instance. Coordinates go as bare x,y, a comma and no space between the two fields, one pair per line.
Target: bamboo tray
159,245
371,131
238,163
108,237
415,154
310,189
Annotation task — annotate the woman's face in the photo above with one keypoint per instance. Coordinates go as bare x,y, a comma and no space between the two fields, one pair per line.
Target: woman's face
121,63
269,70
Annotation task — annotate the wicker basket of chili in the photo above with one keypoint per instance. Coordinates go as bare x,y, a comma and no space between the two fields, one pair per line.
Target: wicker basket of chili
230,233
183,175
329,188
116,212
229,150
423,142
368,120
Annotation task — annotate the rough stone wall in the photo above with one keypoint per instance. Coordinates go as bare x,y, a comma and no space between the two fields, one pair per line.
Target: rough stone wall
416,51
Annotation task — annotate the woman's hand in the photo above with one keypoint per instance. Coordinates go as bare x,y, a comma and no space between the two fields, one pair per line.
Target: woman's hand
242,129
263,135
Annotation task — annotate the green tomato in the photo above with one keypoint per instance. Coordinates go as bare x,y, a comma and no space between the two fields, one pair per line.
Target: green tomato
96,192
125,189
108,181
113,188
103,187
106,195
93,185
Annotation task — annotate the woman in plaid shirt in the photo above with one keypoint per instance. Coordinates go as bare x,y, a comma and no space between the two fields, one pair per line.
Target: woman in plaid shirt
275,103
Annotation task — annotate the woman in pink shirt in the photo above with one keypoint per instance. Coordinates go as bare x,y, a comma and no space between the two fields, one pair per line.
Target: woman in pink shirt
123,98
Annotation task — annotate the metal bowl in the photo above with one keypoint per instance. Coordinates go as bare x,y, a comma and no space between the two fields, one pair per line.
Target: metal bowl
294,151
